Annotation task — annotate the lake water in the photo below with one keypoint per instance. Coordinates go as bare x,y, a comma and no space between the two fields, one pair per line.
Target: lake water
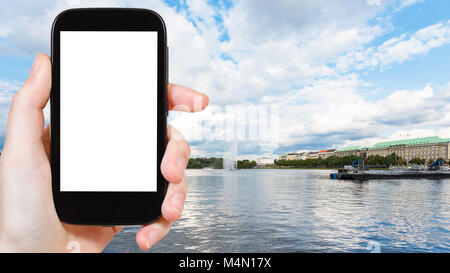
304,211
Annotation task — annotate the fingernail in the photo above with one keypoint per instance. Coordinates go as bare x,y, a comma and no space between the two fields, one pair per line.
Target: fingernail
181,164
36,64
178,202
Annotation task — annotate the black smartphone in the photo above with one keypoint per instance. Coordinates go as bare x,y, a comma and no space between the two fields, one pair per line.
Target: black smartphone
108,115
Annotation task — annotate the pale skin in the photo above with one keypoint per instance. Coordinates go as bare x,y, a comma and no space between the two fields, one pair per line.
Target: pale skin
28,220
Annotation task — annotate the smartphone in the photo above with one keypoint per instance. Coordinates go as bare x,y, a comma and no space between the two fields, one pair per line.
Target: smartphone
108,115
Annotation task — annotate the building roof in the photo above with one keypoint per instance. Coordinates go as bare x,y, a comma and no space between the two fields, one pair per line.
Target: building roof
349,148
327,151
412,141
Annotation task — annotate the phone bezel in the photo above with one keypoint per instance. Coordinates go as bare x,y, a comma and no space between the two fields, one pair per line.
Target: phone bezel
108,208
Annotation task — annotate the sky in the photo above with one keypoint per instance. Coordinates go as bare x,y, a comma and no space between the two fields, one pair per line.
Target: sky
339,73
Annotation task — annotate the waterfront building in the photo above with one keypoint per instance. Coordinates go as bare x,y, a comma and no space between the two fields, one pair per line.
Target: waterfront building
351,150
326,153
428,148
303,155
312,155
265,161
293,156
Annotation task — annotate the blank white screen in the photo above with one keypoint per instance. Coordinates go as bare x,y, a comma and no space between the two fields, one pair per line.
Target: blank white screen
108,107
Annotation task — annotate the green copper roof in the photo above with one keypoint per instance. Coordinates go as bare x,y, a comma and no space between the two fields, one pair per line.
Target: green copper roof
412,141
350,148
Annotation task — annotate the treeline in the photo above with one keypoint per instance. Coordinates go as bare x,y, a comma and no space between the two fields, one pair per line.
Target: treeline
217,163
376,161
245,164
330,162
199,163
393,159
384,161
421,161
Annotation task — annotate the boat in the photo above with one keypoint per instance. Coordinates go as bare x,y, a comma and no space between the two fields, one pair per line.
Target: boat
359,171
208,169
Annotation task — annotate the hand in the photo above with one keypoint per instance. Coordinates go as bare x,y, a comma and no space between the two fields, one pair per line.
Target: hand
28,220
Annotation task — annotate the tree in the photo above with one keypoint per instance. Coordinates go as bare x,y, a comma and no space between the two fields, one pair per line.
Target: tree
340,162
245,164
401,161
198,163
417,161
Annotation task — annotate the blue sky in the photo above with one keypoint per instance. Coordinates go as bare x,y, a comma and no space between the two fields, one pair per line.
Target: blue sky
340,73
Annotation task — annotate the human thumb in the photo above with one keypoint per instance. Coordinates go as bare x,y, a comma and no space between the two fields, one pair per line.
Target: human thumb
25,127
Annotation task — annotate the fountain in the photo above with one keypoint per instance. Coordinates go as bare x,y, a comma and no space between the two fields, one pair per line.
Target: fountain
230,158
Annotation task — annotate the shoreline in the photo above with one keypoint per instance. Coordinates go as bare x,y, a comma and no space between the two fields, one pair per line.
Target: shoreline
296,168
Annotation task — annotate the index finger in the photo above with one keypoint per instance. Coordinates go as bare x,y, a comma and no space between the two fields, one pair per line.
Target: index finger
185,99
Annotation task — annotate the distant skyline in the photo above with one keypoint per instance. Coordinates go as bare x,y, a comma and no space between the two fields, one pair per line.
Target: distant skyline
371,145
341,73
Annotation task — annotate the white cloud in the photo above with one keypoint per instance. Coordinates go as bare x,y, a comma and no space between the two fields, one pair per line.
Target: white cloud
294,54
374,2
332,110
7,90
26,25
398,49
295,49
406,3
250,22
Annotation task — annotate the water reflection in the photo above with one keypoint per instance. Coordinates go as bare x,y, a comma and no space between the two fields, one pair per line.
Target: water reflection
304,211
